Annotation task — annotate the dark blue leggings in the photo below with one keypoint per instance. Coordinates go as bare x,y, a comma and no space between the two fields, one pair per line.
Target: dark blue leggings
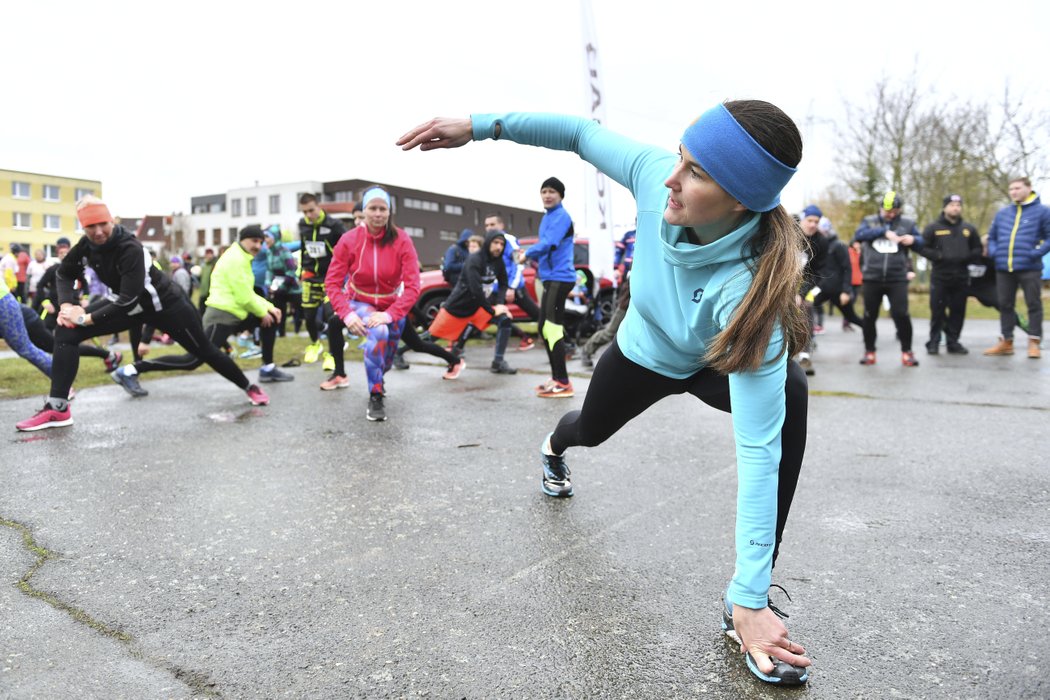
13,330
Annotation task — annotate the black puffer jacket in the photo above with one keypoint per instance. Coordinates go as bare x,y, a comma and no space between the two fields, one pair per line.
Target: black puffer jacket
951,248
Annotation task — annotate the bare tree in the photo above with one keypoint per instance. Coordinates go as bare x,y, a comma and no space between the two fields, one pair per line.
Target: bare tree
908,139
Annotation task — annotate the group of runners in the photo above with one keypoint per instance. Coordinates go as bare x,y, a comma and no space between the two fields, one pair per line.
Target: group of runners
714,312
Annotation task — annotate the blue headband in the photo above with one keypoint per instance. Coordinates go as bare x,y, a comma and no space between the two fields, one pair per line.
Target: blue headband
735,160
375,193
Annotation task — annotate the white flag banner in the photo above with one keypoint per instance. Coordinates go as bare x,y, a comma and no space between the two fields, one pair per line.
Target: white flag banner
598,200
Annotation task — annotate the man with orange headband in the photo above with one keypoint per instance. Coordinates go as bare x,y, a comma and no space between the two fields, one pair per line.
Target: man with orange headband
140,293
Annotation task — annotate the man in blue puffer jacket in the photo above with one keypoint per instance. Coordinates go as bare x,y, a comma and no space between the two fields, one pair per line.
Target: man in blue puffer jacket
1017,241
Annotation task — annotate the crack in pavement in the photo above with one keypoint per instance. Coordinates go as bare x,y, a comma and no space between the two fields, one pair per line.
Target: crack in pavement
195,680
943,402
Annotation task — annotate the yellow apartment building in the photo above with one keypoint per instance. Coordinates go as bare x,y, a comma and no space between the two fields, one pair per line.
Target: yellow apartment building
36,210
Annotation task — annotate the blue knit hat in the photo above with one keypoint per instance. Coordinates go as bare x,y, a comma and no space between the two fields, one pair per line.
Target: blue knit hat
812,210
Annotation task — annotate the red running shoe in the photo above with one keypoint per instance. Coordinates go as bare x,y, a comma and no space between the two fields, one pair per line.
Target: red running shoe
47,417
455,370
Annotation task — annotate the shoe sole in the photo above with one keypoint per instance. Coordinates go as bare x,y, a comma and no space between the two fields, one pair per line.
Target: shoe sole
556,494
375,420
274,380
45,426
333,388
560,395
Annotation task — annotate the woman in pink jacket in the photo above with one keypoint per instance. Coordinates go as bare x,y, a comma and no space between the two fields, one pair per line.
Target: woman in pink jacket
372,283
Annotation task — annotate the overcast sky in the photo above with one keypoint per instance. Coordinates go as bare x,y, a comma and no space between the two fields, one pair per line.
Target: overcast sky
165,102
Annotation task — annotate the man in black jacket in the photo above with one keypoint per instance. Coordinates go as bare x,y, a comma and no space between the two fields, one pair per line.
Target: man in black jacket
887,239
141,293
473,300
826,277
319,233
952,245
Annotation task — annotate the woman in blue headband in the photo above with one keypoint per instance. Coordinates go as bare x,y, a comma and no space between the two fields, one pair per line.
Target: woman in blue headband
715,275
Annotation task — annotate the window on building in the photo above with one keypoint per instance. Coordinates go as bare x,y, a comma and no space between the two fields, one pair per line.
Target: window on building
20,220
454,209
477,217
249,206
511,222
235,207
233,236
448,235
215,208
82,192
20,190
415,231
51,193
344,196
275,204
422,204
202,237
52,222
216,235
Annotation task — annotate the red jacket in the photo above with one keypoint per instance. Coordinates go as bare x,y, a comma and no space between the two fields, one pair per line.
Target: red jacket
363,270
23,266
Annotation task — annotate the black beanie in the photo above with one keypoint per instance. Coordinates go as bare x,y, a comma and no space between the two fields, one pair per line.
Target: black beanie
253,231
555,184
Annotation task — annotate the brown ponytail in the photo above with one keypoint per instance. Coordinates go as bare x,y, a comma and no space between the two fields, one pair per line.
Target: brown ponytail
777,263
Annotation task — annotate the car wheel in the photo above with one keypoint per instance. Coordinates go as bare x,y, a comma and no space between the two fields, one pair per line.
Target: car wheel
429,309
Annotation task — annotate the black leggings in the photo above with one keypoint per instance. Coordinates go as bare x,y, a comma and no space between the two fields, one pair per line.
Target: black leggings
180,320
552,313
216,333
826,295
44,339
621,389
412,341
897,293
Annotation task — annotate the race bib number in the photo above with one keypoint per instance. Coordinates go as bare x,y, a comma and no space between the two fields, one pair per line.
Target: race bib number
884,246
977,270
277,283
487,289
316,249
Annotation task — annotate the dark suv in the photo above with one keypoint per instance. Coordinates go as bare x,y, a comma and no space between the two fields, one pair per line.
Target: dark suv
434,289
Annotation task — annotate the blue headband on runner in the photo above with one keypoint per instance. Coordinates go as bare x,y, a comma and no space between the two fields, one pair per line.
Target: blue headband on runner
735,160
375,193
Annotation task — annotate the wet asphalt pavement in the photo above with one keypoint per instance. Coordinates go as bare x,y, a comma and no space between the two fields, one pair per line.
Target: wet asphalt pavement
189,545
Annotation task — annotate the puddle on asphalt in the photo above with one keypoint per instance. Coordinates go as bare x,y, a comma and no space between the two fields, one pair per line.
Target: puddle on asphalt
252,412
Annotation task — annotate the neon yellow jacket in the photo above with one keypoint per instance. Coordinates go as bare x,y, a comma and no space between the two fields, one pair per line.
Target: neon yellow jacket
232,285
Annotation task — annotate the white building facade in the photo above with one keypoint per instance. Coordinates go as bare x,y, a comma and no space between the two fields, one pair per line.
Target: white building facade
214,220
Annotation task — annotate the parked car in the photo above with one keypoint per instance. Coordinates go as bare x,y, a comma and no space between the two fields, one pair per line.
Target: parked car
434,289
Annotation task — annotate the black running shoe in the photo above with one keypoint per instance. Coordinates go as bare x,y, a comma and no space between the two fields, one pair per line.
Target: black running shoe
556,473
400,362
783,673
375,411
501,367
129,382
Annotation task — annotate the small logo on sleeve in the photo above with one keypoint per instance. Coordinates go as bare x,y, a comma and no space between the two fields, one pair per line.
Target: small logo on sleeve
697,294
761,544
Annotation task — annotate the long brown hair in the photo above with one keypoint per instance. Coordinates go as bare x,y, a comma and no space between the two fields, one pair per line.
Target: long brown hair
776,263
